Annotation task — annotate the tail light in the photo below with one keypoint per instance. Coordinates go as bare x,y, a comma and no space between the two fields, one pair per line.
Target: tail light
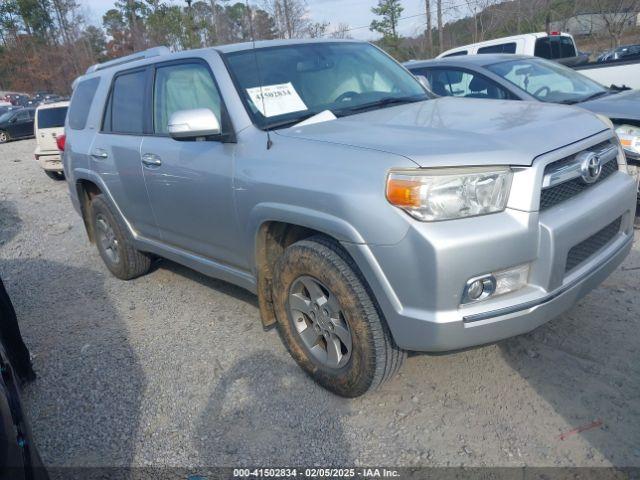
60,141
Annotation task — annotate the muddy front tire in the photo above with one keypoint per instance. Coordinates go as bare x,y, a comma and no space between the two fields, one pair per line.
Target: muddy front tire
329,321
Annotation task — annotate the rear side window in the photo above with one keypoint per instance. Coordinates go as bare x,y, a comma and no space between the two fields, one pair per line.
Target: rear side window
554,47
457,54
502,48
51,117
81,103
125,113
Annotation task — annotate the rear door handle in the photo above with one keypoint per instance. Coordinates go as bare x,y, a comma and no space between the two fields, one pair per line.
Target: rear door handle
151,160
99,153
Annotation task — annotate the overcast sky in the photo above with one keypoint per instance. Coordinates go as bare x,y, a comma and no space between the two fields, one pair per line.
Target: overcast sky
355,13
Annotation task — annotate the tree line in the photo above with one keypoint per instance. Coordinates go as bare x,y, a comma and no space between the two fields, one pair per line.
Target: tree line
45,44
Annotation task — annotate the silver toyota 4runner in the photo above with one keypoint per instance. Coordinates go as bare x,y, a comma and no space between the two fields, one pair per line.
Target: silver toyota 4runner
369,218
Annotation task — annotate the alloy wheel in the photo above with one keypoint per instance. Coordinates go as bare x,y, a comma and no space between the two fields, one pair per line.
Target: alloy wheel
317,316
107,238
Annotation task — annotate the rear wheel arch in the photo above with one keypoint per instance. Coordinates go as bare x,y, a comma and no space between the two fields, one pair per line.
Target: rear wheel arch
87,191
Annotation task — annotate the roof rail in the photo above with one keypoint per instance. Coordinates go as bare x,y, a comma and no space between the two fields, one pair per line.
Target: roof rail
151,52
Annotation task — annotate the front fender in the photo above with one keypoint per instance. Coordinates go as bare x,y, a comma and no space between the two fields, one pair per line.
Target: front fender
301,216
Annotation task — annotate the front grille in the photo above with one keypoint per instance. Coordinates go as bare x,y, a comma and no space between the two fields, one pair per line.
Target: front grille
585,249
552,196
556,194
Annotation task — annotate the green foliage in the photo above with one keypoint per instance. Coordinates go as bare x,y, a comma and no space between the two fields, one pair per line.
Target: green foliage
35,15
390,12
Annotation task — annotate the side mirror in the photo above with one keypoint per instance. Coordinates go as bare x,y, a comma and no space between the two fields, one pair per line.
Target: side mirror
198,122
424,82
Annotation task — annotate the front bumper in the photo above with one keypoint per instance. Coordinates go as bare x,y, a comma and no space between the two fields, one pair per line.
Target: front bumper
419,282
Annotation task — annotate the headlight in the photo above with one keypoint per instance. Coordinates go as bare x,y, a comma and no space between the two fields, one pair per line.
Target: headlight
630,139
444,194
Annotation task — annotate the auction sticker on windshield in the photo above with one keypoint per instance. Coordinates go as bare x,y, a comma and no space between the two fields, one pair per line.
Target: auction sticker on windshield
274,100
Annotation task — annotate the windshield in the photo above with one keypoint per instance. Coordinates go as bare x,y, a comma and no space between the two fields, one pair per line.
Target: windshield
6,116
51,117
548,81
283,85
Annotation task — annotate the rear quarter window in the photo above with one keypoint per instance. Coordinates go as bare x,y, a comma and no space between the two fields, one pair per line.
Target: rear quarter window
52,117
501,48
457,54
81,103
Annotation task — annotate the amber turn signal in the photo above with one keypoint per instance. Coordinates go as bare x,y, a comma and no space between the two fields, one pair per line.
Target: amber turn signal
403,192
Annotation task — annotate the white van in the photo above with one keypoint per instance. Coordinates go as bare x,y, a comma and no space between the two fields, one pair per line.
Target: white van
552,46
48,126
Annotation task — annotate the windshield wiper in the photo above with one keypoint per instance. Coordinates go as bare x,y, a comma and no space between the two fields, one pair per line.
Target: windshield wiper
290,122
594,96
383,102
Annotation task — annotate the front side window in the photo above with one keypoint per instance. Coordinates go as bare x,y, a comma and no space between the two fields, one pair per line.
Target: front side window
81,103
23,116
6,116
451,82
283,85
183,87
548,81
126,111
52,117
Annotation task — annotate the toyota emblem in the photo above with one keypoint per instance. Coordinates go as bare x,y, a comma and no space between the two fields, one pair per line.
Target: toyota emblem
590,167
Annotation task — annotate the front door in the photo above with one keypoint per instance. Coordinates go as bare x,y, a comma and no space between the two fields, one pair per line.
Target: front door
23,126
190,183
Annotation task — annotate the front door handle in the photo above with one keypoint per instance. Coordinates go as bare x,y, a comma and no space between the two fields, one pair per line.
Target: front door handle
99,154
151,160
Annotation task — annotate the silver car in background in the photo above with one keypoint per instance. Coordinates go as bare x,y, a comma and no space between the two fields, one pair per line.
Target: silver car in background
369,218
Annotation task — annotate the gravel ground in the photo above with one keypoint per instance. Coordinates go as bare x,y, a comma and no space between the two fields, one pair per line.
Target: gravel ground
174,369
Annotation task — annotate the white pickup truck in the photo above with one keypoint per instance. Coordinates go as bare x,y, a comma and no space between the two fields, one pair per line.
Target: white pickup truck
561,47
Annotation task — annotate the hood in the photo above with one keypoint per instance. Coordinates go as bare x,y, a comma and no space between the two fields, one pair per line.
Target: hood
453,131
623,105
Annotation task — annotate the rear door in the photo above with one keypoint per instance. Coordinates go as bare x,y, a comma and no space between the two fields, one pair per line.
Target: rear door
49,124
190,182
115,153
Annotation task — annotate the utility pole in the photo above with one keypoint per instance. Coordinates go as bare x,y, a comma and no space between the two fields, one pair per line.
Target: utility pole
429,32
190,25
440,31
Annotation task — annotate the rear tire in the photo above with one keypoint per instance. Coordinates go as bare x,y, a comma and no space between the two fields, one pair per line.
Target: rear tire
114,242
316,273
54,175
4,136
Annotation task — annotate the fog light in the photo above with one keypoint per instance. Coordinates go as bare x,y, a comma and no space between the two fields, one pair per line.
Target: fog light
475,290
479,288
494,284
